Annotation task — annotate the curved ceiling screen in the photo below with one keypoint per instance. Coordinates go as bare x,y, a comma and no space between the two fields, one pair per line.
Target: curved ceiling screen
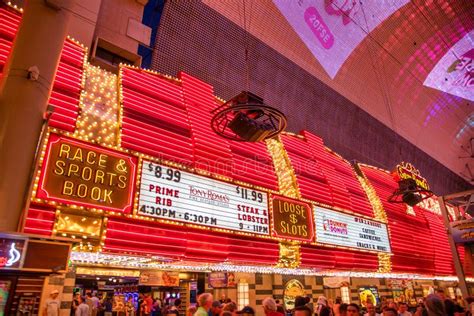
454,73
332,29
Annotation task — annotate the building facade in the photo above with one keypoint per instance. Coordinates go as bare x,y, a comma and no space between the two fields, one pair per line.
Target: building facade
131,177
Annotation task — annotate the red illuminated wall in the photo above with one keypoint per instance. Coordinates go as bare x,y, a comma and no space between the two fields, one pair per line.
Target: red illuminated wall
327,258
172,120
309,103
67,87
9,21
67,84
323,177
419,243
40,220
143,237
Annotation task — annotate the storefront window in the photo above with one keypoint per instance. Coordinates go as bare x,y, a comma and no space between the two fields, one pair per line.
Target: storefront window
345,294
243,295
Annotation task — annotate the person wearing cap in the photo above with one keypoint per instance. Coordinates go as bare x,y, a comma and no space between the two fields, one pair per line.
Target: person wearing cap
216,309
52,304
270,307
205,303
246,311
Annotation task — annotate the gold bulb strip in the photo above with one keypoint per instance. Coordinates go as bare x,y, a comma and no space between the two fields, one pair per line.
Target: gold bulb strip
98,119
289,251
290,256
385,262
283,169
385,259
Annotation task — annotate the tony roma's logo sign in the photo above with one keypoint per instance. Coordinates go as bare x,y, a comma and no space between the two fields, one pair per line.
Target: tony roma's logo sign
78,173
292,219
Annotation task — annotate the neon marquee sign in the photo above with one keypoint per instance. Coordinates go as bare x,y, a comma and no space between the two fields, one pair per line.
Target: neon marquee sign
11,253
78,173
406,170
292,219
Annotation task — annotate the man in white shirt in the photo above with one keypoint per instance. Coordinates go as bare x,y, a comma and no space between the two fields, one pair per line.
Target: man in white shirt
371,310
52,304
403,309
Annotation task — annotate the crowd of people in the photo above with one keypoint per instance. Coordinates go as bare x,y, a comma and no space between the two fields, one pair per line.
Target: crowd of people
433,305
91,305
117,305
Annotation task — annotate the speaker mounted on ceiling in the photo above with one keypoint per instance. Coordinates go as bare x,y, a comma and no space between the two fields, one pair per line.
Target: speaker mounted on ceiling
246,118
412,187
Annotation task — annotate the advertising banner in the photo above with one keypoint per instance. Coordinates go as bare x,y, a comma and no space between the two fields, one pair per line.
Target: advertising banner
217,280
292,219
336,282
406,170
463,231
332,29
399,283
173,194
340,229
75,172
369,294
159,278
221,280
454,72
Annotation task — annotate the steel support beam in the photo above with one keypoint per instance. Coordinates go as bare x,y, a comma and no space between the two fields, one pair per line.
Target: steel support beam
457,261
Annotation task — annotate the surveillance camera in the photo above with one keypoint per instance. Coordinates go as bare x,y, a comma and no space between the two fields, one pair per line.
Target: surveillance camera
33,73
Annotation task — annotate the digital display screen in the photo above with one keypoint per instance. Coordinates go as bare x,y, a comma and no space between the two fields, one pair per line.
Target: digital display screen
173,194
369,295
340,229
332,29
454,73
